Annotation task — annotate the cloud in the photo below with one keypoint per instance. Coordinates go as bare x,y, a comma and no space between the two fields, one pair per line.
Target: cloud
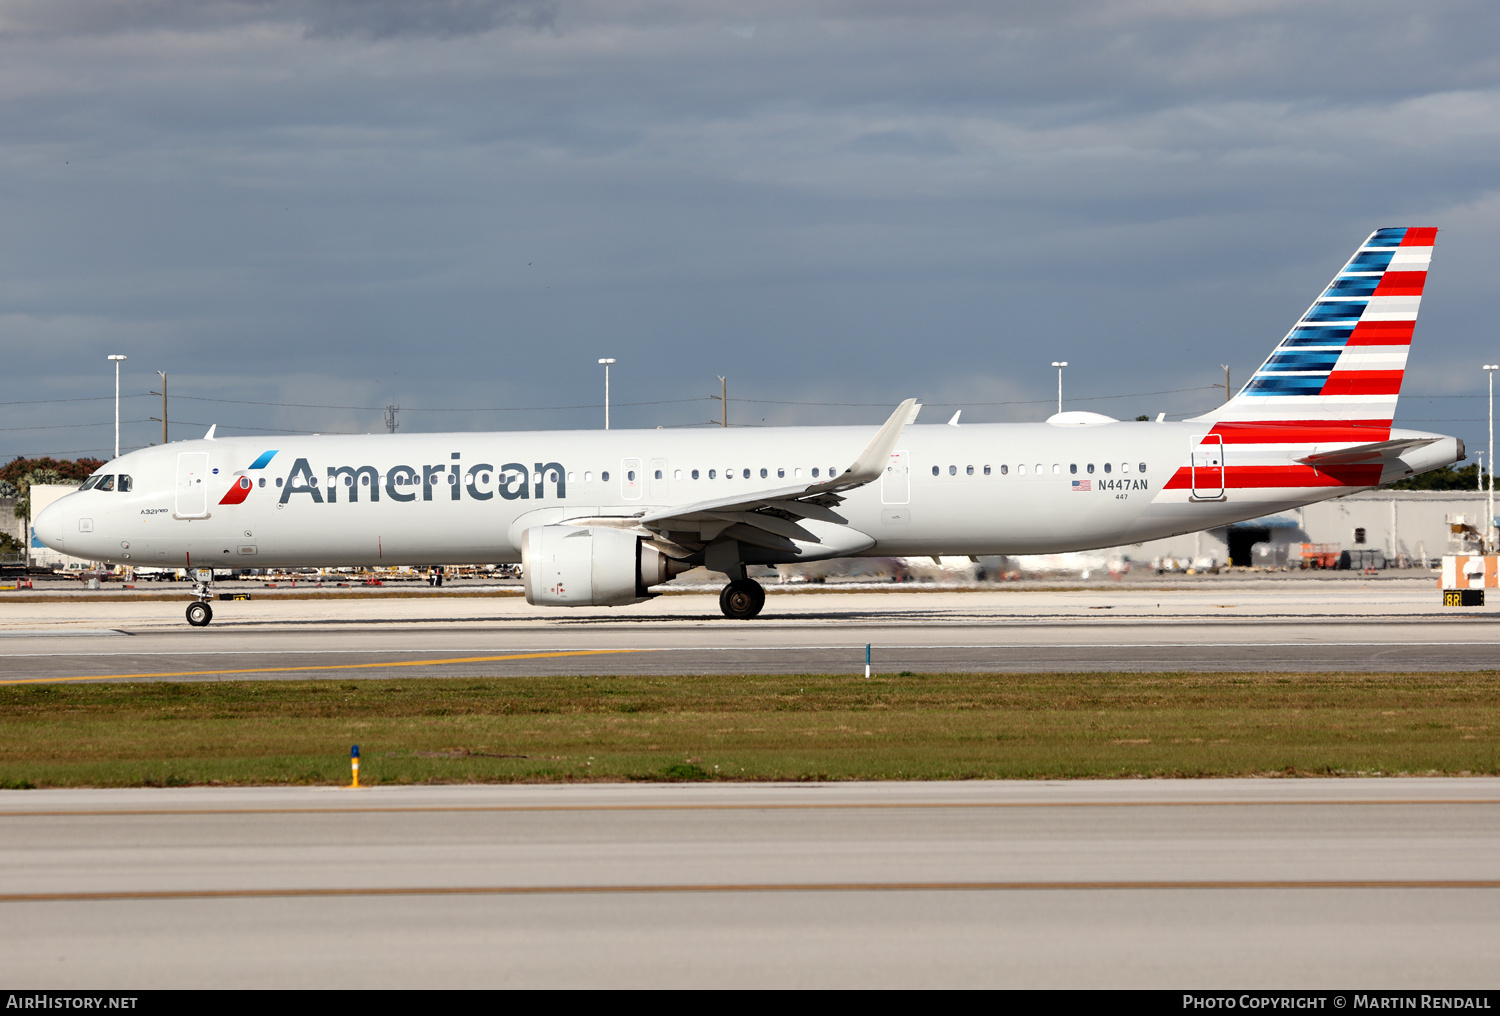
467,202
372,19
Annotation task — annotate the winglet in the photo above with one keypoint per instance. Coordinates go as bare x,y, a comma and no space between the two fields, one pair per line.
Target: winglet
210,435
872,461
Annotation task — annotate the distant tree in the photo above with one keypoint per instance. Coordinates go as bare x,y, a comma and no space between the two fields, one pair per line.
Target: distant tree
23,502
1142,419
1446,478
67,469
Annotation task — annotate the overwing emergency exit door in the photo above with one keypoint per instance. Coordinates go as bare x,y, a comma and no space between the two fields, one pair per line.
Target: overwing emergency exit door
1208,466
630,479
192,485
895,483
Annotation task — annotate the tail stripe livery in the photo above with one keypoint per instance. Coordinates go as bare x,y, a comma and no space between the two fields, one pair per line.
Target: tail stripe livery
1345,358
1334,379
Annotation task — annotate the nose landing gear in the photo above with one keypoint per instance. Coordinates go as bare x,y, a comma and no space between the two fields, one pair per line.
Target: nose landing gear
201,612
742,599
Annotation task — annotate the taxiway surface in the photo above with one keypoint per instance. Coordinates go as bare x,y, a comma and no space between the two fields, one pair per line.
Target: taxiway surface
1242,883
1241,625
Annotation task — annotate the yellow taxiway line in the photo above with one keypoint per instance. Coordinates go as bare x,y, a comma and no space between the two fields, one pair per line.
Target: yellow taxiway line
327,666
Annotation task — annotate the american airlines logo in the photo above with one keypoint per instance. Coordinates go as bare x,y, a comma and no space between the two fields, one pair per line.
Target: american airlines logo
480,481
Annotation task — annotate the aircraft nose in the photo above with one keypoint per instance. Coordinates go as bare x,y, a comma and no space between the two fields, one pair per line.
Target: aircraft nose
49,527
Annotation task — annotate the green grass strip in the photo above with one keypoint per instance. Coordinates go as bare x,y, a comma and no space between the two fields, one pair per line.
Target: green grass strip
749,727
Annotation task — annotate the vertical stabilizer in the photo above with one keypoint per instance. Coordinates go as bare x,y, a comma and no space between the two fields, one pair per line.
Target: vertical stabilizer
1340,367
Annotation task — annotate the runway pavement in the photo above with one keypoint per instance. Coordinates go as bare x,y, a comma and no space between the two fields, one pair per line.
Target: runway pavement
1347,624
1231,883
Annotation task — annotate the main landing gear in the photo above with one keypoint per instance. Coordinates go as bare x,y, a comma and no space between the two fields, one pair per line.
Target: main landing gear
200,612
741,599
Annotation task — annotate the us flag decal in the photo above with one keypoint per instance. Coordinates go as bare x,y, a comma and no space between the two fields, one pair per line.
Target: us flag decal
1081,484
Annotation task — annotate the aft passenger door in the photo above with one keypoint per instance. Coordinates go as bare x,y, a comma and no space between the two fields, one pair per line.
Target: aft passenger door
1208,467
192,486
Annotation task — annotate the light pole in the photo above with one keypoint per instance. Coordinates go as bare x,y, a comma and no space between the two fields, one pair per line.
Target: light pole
1489,521
607,361
1059,364
118,358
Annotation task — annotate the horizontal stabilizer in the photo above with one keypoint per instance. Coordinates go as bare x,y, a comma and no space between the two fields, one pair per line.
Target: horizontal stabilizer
1365,452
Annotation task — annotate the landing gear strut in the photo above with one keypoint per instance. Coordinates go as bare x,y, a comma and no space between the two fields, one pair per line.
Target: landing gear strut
201,612
742,599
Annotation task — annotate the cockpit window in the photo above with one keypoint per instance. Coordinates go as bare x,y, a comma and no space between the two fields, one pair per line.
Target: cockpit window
105,483
87,484
124,483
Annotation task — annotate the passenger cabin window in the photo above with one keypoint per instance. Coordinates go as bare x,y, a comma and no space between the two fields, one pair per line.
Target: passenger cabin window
630,474
695,474
764,473
1072,467
1004,470
604,476
952,470
1021,470
1090,467
676,474
657,474
1106,467
1039,469
588,476
815,470
1141,468
934,470
969,470
1124,467
986,470
713,474
780,472
1056,468
747,473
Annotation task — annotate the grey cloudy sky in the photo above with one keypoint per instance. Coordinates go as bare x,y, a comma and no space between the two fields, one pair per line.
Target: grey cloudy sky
465,203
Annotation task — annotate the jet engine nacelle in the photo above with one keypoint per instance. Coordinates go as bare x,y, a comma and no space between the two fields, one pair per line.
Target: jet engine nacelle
590,566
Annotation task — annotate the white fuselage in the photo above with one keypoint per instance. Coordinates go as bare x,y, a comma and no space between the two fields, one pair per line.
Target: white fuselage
440,499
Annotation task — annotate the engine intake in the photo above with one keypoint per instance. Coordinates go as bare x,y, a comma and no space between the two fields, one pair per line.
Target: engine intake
591,566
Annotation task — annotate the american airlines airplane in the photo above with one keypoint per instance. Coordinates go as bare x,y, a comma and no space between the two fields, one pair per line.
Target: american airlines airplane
601,518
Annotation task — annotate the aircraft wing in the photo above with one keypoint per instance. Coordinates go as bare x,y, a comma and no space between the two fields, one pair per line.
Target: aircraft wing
772,518
1365,452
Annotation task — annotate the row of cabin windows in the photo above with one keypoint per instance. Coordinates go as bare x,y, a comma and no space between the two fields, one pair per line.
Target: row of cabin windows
1040,469
403,479
108,482
123,481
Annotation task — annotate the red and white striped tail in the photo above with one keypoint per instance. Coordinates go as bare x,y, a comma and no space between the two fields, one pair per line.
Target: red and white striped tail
1338,371
1318,412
